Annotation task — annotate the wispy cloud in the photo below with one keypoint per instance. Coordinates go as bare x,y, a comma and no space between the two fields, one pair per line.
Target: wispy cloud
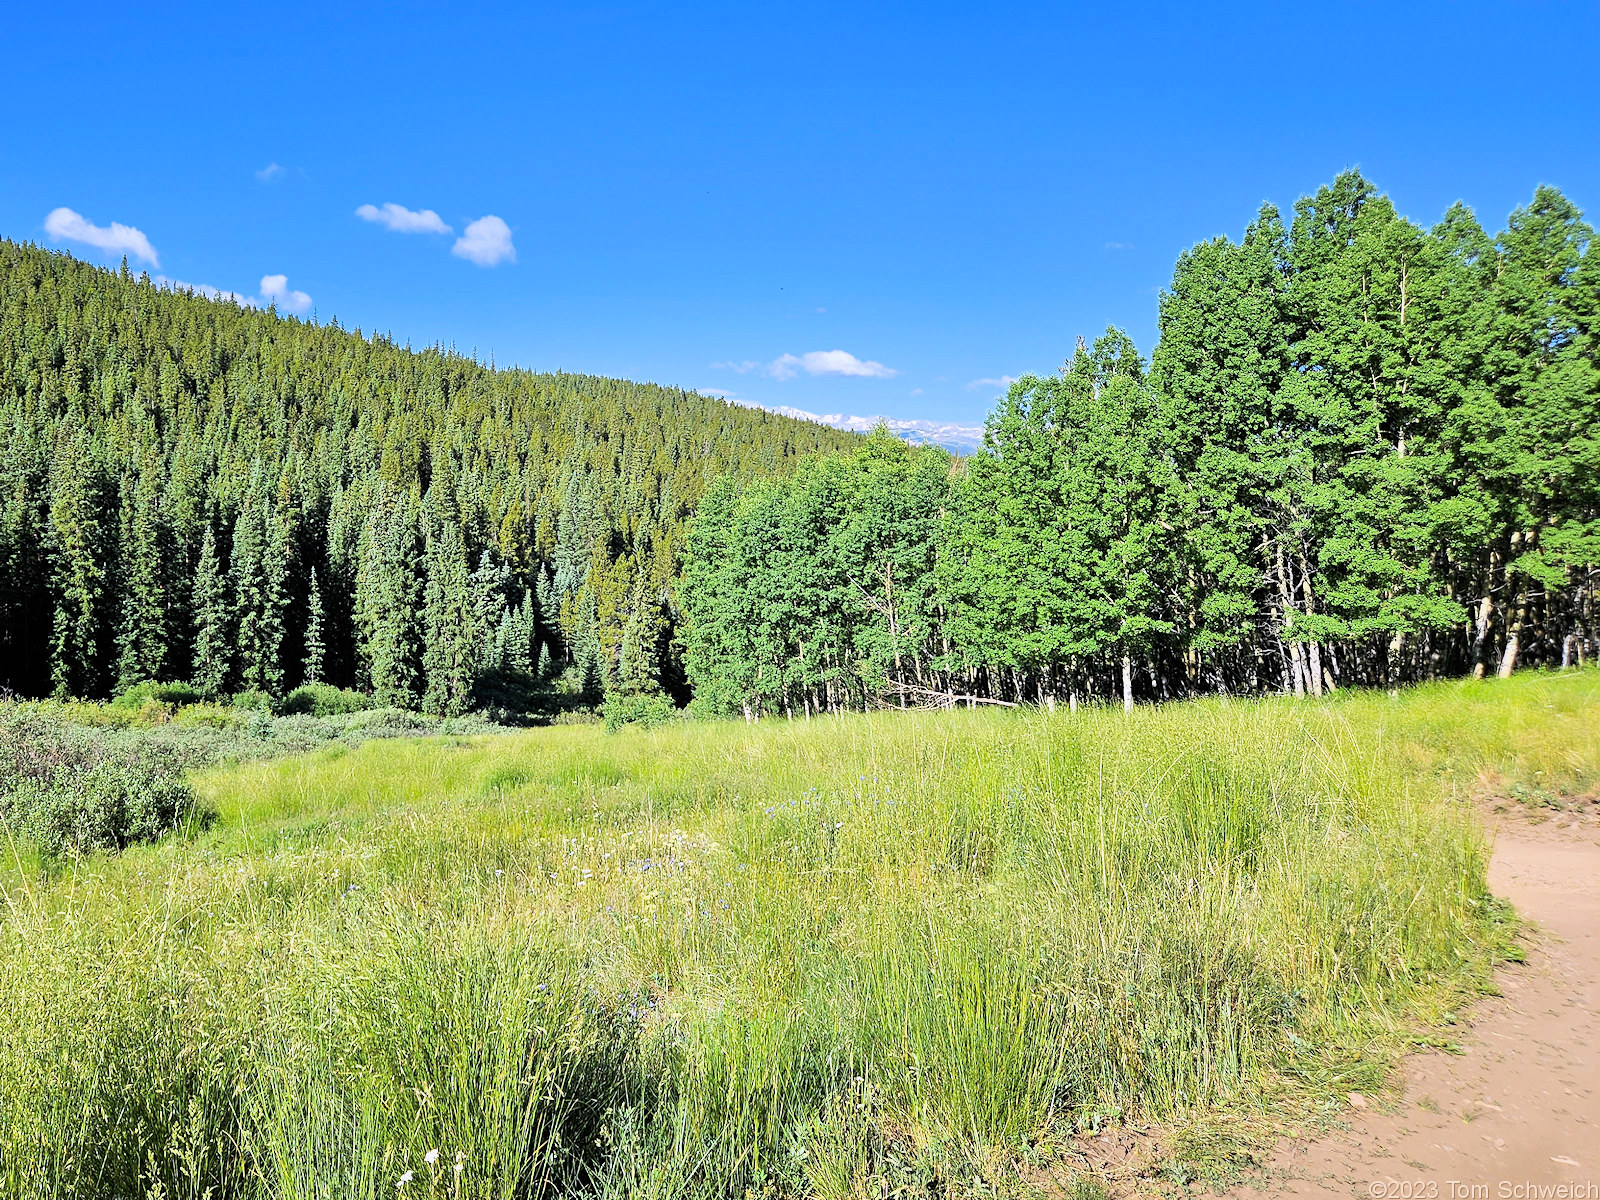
1003,382
397,218
1119,245
814,362
272,171
486,241
65,225
275,289
828,362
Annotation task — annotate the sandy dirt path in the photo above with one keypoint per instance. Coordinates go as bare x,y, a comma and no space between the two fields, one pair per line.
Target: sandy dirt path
1517,1114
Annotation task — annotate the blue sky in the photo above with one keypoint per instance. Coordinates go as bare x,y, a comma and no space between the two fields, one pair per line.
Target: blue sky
946,194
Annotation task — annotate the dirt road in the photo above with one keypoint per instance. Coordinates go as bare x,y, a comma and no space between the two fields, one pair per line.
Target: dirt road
1518,1114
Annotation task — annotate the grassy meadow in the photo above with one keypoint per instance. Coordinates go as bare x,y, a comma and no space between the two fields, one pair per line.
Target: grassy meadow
853,956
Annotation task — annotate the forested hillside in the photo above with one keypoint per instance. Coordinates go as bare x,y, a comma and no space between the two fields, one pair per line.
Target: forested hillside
194,490
1363,453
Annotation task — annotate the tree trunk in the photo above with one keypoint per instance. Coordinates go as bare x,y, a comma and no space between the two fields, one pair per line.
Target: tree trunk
1127,683
1514,619
1480,640
1313,647
1508,660
1297,669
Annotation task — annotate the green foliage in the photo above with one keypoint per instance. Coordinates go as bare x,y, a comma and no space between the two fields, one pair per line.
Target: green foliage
65,792
174,694
649,709
174,470
323,700
253,700
213,639
1364,453
104,807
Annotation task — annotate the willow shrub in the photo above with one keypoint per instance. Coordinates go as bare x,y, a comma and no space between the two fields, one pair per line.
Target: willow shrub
818,957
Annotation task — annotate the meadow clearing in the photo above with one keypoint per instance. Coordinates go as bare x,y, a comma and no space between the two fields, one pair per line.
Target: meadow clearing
857,955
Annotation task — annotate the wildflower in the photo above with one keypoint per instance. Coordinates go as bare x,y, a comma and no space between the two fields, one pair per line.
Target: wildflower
404,1179
431,1157
498,871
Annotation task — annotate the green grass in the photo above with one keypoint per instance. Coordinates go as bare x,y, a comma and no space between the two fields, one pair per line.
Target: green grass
835,957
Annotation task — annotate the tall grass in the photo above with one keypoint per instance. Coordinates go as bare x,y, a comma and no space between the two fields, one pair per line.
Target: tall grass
831,957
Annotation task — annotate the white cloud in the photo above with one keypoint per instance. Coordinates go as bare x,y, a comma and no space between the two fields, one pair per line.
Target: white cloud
486,241
1119,245
275,289
270,172
916,391
742,368
399,219
828,362
1003,382
63,223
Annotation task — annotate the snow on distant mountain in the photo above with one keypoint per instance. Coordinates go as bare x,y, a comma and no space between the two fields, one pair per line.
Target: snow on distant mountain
958,439
962,439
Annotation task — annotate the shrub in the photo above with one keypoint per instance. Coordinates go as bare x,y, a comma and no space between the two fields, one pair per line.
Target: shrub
389,722
210,716
323,700
253,699
107,807
69,790
175,694
650,709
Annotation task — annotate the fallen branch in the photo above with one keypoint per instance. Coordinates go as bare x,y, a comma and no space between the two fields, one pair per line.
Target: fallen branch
951,699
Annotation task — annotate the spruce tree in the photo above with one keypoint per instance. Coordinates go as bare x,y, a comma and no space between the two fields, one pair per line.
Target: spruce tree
315,648
212,623
77,545
260,572
453,637
388,602
142,623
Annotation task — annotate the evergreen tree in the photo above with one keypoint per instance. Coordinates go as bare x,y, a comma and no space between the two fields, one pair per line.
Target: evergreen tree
213,623
142,624
453,637
388,596
260,570
315,648
77,546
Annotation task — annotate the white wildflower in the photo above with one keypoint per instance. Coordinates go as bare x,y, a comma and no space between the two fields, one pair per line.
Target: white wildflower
431,1157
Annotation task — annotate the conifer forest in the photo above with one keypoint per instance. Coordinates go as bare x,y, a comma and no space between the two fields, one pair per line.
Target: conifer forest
1362,452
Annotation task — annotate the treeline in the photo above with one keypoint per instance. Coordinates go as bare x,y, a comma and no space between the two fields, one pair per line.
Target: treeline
191,490
1363,453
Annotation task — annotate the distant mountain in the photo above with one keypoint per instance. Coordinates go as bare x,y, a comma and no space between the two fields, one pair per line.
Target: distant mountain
958,439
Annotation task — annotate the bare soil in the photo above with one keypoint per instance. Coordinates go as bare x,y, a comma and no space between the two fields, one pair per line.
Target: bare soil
1516,1114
